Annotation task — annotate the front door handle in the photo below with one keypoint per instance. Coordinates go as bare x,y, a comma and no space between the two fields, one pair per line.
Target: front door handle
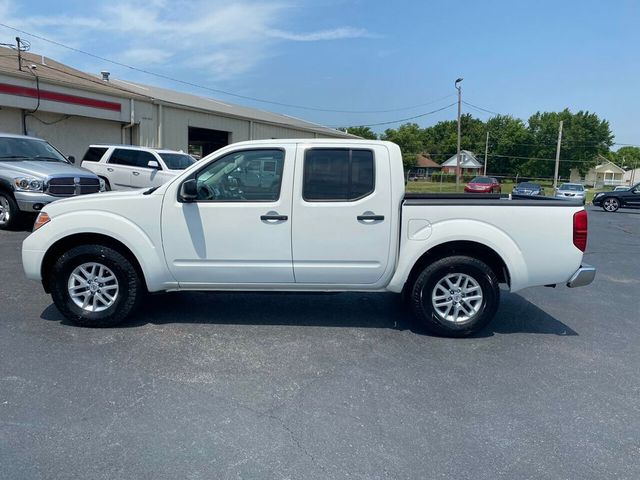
375,218
109,169
279,218
136,173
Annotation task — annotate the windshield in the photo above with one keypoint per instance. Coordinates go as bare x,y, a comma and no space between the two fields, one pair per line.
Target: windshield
572,187
481,180
529,185
17,148
177,161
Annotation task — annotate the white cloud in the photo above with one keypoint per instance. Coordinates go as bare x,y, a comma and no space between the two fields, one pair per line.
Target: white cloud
334,34
223,39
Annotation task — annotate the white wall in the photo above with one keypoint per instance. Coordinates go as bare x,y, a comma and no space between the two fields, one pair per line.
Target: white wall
73,135
10,120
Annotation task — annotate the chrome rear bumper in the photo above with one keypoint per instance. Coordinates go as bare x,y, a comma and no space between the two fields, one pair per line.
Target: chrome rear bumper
583,276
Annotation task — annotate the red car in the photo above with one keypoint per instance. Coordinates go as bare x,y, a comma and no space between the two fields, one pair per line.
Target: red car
483,185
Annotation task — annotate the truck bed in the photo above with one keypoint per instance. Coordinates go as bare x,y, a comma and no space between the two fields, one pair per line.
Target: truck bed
495,199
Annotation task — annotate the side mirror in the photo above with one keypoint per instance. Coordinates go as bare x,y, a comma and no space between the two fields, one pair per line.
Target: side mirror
153,164
71,158
189,190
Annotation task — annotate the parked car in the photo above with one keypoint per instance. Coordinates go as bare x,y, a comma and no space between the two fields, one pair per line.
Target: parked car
128,167
339,220
33,173
483,185
621,188
528,188
612,201
572,191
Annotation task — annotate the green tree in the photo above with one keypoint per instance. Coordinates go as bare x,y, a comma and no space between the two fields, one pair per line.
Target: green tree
509,144
441,139
584,138
364,132
409,138
627,157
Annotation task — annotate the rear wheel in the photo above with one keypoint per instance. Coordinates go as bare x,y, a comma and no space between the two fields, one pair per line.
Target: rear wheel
9,211
95,286
455,296
610,204
107,185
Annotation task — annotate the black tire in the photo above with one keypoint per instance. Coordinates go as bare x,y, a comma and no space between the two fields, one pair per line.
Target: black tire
610,204
107,185
480,311
9,211
129,286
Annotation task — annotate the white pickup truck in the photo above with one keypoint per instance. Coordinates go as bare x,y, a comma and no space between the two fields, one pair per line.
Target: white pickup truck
333,217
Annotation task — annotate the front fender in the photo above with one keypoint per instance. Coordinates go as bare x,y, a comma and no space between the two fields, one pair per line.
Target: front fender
145,243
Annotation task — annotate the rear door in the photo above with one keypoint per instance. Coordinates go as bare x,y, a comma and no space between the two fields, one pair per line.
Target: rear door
119,167
342,214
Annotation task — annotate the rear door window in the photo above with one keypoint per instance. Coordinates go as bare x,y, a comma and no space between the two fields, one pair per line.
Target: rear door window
337,174
94,154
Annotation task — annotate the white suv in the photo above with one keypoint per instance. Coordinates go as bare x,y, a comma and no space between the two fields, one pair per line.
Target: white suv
125,166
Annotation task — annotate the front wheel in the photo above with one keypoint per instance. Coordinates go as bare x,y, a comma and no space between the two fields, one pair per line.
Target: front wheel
455,296
610,204
95,286
9,211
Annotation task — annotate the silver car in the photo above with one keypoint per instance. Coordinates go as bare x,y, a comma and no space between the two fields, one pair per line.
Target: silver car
33,173
572,191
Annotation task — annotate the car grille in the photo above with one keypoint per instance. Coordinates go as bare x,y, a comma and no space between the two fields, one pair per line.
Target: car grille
71,186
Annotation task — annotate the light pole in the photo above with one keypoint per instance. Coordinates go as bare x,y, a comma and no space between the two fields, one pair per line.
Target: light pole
459,88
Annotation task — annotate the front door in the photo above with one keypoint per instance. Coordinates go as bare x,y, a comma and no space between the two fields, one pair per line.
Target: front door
230,235
342,215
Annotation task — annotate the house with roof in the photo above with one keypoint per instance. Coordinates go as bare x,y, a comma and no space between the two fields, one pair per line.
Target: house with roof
469,164
425,167
606,173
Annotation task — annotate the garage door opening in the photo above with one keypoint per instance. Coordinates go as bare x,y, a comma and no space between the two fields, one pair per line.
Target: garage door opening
203,141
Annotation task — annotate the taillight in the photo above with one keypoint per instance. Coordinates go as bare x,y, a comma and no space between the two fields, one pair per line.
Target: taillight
580,227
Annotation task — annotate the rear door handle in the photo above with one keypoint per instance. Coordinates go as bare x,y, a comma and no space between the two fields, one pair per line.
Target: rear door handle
376,218
280,218
136,173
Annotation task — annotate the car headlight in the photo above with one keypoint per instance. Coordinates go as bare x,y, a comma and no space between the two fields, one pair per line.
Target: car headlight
28,184
599,195
103,185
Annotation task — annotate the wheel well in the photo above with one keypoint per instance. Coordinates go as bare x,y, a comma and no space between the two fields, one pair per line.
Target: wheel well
72,241
470,249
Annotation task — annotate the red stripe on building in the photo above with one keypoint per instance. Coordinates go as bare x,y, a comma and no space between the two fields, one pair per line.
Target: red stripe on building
58,97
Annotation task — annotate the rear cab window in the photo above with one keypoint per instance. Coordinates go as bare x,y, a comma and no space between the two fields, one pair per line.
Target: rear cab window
338,174
94,154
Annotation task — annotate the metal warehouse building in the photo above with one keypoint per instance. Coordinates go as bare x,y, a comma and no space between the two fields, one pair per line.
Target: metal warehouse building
72,109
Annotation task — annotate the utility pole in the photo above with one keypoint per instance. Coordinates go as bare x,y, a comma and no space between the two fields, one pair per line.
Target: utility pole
555,175
486,151
459,131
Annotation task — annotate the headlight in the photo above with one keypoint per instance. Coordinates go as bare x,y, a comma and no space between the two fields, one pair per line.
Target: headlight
28,184
103,185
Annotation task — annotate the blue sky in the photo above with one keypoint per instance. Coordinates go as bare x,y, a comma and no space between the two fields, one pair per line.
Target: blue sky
515,57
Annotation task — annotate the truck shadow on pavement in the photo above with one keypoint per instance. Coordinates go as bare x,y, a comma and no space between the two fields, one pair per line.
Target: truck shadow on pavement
353,310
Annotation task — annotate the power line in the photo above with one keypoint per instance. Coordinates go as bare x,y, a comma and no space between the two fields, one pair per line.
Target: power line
480,108
408,118
216,90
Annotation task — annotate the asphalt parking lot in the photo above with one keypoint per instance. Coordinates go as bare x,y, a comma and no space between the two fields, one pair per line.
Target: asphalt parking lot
327,386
